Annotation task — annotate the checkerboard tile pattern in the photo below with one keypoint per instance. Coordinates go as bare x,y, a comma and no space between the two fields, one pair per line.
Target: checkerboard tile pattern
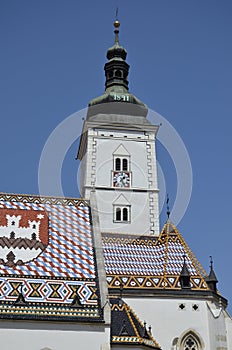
150,262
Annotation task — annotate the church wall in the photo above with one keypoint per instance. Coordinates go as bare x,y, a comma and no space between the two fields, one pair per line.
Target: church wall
140,220
137,147
170,322
218,335
229,330
138,162
86,169
81,177
53,336
97,163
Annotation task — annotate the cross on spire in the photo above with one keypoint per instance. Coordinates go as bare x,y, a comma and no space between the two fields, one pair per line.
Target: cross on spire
116,14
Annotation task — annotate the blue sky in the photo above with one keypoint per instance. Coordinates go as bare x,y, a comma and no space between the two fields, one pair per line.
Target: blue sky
180,54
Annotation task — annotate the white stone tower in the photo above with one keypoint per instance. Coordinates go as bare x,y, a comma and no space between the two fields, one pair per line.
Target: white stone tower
117,153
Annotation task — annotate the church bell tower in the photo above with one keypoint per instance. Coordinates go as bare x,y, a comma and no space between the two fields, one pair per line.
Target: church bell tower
117,153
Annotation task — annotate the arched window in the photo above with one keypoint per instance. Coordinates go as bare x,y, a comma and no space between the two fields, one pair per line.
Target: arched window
118,73
124,164
121,164
118,214
122,214
121,174
118,164
125,214
190,342
121,158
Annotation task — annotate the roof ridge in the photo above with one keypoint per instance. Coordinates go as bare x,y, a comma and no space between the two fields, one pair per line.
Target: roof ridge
128,310
166,260
8,196
141,339
196,263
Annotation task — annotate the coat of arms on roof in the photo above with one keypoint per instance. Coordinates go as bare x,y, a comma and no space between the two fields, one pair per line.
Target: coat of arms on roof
23,235
47,259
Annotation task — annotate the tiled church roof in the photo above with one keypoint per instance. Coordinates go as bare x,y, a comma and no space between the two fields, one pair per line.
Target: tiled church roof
149,262
127,329
47,260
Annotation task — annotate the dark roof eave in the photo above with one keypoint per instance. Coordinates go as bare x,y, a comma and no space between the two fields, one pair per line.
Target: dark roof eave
61,319
167,293
132,344
140,345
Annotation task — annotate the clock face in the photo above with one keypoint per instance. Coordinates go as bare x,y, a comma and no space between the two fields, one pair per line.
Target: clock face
121,179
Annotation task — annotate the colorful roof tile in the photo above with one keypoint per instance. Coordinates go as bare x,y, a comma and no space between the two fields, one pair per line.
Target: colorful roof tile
127,329
151,262
47,260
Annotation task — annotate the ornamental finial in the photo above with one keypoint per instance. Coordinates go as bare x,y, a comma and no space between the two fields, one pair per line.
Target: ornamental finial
116,26
211,262
116,23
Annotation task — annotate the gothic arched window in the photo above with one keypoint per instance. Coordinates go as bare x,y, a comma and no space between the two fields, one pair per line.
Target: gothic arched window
191,342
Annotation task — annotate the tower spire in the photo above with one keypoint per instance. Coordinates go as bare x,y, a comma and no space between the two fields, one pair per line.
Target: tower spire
116,83
116,69
185,275
116,26
116,32
212,279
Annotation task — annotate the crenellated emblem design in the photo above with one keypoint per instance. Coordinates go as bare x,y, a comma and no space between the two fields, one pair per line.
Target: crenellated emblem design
23,235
